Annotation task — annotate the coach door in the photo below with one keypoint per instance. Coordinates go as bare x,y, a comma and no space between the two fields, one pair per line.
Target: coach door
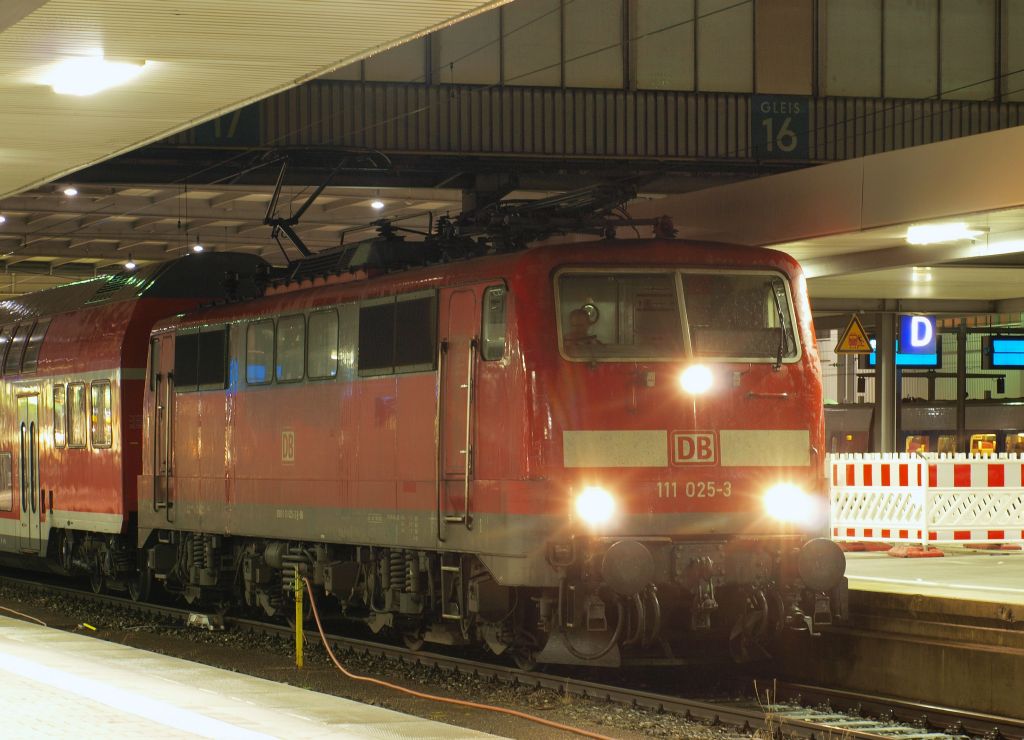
459,322
28,473
161,429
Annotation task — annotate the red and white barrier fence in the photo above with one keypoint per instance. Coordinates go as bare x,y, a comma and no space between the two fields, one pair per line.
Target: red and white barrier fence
927,498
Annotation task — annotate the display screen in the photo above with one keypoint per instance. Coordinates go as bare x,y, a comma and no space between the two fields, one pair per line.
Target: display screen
1002,353
924,362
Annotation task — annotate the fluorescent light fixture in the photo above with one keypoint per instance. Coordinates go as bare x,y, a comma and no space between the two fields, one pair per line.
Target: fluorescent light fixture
71,192
87,75
921,274
377,204
940,233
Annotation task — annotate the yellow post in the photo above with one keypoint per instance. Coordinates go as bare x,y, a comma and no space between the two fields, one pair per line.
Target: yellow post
298,619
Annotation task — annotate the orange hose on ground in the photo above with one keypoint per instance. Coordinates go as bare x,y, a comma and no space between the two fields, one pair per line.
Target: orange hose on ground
442,699
26,616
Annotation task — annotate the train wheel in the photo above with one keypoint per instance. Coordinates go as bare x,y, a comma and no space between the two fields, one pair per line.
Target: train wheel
141,586
413,641
524,658
97,580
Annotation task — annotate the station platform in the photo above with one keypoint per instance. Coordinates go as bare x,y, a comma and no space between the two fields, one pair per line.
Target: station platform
59,684
967,575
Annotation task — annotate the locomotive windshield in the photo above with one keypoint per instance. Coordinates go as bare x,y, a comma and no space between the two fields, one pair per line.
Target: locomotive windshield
638,315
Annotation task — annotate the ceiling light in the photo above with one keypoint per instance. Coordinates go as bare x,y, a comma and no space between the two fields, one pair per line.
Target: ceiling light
921,274
71,192
940,233
87,75
130,264
3,219
376,204
197,248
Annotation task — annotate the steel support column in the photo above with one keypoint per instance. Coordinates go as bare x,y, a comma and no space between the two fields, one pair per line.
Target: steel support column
886,422
961,388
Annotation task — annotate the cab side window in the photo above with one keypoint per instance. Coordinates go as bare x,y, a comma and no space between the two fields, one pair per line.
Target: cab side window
200,360
494,324
322,344
398,335
291,348
259,352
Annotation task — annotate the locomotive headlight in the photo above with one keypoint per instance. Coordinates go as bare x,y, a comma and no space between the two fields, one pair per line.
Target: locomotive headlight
695,379
595,505
788,503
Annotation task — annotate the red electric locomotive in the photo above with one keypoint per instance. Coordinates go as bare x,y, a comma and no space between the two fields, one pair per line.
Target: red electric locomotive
73,361
593,453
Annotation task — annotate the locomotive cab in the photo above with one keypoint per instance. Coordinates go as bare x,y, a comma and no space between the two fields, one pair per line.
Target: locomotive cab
691,430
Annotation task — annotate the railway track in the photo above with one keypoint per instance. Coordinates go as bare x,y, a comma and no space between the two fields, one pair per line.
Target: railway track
789,709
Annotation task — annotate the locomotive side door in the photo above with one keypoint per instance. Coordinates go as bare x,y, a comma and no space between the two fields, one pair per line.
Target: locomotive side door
457,358
162,427
28,473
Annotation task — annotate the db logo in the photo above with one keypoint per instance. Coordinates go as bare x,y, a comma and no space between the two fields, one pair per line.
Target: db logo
693,447
287,446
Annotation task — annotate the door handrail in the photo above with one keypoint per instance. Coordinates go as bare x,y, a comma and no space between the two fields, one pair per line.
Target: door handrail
168,445
21,472
468,463
442,350
32,464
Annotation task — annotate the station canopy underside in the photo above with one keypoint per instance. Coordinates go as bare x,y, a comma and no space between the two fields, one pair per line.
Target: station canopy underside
847,224
202,59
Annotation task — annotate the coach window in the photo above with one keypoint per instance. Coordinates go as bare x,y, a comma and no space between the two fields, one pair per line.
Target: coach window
12,364
322,345
101,421
6,487
259,352
77,427
59,417
494,324
35,341
291,347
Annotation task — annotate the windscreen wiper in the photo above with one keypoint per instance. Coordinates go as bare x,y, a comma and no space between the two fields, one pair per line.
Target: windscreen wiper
782,326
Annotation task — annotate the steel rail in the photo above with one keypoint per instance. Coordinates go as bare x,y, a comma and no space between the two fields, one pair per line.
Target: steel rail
976,724
771,719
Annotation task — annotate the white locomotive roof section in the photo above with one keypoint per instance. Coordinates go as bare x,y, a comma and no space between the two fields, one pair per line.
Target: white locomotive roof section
847,221
204,58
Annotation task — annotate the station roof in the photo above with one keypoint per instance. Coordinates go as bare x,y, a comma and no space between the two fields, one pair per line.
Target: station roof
847,224
203,58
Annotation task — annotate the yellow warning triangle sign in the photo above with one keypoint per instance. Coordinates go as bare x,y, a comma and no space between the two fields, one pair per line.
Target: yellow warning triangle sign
854,339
